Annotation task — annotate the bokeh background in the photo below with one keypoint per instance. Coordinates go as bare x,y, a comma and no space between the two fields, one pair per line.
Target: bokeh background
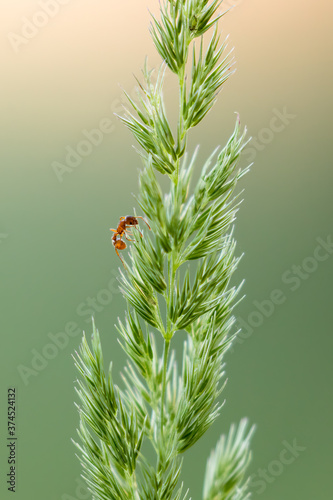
56,259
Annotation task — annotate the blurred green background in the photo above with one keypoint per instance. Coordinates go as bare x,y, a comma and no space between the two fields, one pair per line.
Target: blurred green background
60,78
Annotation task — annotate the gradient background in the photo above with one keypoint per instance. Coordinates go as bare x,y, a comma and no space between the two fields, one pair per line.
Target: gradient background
55,249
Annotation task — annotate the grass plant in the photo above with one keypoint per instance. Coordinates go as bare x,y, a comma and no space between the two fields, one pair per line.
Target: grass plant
175,278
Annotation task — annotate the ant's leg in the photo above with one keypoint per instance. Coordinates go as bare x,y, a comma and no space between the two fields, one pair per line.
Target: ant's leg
144,220
138,229
130,234
114,230
120,257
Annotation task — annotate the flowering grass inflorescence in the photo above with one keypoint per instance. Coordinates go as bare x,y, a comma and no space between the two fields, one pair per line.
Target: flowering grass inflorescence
178,278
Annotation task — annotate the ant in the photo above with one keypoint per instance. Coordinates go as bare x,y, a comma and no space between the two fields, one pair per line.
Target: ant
122,230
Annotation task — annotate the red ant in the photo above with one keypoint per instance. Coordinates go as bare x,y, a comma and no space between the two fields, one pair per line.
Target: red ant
122,230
